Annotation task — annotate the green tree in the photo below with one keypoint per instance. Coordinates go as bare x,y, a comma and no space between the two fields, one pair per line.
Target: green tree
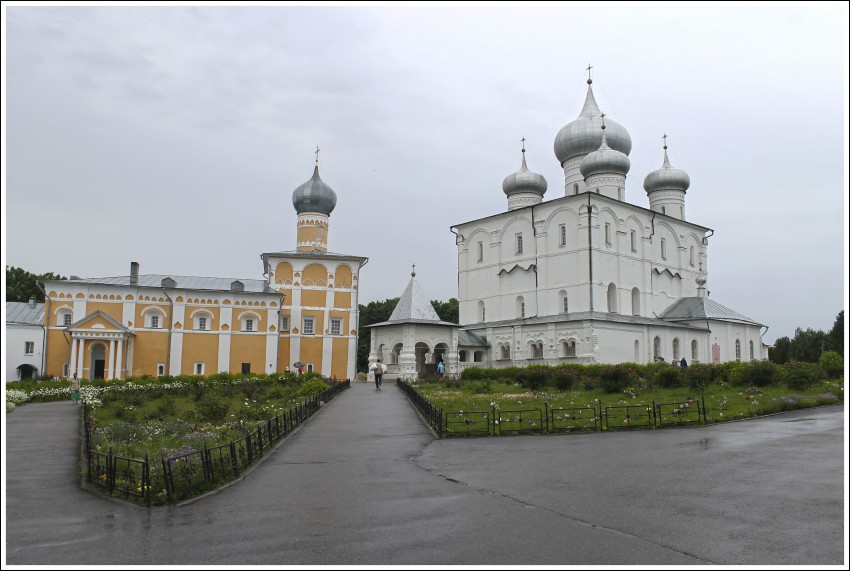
781,351
807,345
21,284
373,312
835,338
447,310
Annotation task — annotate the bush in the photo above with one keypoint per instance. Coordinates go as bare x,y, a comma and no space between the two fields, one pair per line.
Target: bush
312,387
801,376
698,376
615,378
668,377
533,379
212,407
564,380
474,374
760,373
832,364
10,406
481,387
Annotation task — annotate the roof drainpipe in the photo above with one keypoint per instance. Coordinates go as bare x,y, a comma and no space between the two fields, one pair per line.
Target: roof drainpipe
536,283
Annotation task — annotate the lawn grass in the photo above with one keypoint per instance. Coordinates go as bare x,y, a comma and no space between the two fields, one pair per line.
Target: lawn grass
723,402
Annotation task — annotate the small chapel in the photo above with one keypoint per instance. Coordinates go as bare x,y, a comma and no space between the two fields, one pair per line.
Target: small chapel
583,278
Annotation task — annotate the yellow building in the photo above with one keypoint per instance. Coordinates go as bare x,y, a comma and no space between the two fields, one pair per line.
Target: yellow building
304,312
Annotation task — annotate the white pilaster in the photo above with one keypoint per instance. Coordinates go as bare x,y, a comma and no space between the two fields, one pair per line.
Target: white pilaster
74,350
119,359
224,338
110,373
81,358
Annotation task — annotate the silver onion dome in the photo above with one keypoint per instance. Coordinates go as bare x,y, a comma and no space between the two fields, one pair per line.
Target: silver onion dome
666,178
583,135
314,196
604,159
524,181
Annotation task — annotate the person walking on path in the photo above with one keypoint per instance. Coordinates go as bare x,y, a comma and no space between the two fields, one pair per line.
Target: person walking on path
441,368
74,384
380,369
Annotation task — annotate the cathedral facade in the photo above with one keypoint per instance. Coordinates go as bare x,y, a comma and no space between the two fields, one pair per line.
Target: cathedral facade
303,314
586,277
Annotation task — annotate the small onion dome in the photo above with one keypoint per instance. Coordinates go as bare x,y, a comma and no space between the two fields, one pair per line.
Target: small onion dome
314,196
524,181
583,135
666,178
604,159
701,280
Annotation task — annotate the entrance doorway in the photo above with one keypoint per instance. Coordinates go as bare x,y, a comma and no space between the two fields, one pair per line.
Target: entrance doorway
98,360
26,372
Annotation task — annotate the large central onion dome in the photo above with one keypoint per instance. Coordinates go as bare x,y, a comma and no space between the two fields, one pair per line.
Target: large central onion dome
314,196
604,160
666,178
524,181
584,135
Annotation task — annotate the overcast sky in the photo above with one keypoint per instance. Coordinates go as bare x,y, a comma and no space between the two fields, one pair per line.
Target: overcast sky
174,136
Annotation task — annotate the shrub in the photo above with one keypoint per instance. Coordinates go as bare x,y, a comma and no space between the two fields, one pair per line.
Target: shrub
212,407
10,406
832,364
312,387
474,374
698,376
481,387
564,380
16,397
533,378
668,377
615,378
760,373
801,376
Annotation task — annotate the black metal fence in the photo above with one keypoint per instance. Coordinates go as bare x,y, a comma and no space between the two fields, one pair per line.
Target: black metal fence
178,477
551,419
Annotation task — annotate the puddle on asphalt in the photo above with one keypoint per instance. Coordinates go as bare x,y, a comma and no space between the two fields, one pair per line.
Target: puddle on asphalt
797,419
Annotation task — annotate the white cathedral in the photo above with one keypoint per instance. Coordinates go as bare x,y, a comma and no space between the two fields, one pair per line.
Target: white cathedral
586,277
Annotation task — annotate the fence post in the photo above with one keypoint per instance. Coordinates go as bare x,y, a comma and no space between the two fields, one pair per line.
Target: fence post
494,422
166,480
704,419
546,409
233,461
249,445
110,472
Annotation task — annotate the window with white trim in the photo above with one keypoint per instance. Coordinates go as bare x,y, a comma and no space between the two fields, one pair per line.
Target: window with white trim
562,235
284,323
249,324
607,233
29,347
64,318
520,307
694,350
154,321
200,368
481,311
519,243
480,251
64,369
336,326
202,323
633,238
506,352
309,326
575,189
160,369
676,349
663,249
752,351
737,349
309,367
565,302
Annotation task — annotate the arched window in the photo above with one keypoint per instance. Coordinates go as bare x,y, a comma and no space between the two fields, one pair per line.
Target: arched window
691,257
635,301
478,357
656,349
201,321
612,298
481,313
637,351
694,351
575,189
63,317
752,351
506,351
569,348
537,350
737,349
462,356
676,349
663,210
249,322
565,304
520,307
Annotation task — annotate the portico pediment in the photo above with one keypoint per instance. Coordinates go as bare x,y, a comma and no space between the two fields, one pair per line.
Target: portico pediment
99,322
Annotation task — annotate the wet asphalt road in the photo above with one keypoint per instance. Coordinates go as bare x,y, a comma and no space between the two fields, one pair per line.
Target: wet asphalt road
364,483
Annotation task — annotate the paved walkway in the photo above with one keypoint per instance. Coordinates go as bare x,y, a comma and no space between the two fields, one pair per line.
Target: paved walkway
364,483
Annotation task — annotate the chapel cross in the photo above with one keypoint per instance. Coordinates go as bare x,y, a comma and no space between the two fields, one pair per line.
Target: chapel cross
317,154
413,272
589,67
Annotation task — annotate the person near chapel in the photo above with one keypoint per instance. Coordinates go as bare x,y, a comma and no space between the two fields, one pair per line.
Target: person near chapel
74,385
380,369
441,368
683,363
